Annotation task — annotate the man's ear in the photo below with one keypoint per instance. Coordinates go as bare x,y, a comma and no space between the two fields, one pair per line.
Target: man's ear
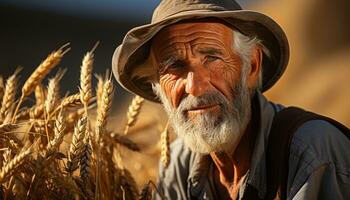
255,67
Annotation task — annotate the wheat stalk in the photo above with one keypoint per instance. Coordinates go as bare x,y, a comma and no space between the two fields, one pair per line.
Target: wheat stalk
9,168
102,115
52,98
76,144
85,96
165,153
40,72
9,97
133,111
23,113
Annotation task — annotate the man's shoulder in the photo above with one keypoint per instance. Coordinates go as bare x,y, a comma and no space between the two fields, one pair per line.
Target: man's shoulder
318,149
318,142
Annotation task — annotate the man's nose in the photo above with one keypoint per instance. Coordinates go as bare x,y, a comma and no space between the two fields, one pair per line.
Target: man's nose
197,82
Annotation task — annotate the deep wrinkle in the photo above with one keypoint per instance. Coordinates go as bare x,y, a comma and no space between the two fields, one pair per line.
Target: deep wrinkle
191,56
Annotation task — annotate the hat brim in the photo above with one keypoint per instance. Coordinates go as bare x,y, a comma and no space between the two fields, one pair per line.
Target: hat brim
134,49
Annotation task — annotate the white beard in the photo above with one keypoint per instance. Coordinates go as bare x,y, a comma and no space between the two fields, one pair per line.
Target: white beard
207,133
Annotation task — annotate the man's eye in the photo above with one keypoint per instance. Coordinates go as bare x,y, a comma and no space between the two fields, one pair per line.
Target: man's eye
212,58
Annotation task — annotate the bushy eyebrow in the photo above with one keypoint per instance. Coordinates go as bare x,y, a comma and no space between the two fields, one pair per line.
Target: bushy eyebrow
210,51
169,60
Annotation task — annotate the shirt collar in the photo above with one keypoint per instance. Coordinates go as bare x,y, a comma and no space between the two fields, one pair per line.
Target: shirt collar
257,173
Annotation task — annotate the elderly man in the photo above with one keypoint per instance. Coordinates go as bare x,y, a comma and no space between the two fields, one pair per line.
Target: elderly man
208,62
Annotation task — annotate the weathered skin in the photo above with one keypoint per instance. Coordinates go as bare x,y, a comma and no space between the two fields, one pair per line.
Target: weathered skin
194,58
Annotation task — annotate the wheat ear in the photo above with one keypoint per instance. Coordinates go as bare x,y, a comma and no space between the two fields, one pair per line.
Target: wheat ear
104,108
36,111
84,161
133,111
74,116
9,168
6,156
70,101
40,72
126,142
99,88
59,128
76,144
9,97
40,94
165,153
53,92
85,77
128,184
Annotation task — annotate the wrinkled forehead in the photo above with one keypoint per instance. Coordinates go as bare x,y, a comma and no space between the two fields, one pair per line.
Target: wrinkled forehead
206,31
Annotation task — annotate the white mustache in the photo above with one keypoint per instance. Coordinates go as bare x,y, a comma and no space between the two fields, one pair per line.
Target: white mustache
211,98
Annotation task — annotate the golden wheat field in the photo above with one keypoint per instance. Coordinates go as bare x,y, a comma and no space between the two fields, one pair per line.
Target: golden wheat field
61,147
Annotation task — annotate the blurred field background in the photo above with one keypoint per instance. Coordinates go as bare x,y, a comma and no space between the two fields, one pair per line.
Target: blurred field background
316,78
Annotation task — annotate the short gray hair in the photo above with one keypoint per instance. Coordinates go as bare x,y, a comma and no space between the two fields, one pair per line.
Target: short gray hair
243,46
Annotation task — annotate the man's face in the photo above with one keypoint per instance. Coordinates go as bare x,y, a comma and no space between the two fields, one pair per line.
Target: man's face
201,84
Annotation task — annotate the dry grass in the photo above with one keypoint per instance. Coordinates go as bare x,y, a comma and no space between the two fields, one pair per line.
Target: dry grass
49,148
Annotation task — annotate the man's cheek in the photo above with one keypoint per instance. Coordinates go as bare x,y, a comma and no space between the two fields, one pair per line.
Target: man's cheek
167,85
224,81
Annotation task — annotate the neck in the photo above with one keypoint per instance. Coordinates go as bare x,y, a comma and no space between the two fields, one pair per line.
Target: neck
242,155
233,166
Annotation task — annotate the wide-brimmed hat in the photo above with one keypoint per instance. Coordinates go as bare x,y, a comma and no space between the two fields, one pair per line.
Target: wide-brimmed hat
133,53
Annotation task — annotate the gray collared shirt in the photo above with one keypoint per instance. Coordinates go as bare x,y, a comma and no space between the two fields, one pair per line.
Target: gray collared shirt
319,164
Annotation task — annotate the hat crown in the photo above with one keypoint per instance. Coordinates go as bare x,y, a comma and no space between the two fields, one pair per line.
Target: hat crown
168,8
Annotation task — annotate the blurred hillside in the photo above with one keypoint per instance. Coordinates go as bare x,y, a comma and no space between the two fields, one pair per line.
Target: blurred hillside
319,69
